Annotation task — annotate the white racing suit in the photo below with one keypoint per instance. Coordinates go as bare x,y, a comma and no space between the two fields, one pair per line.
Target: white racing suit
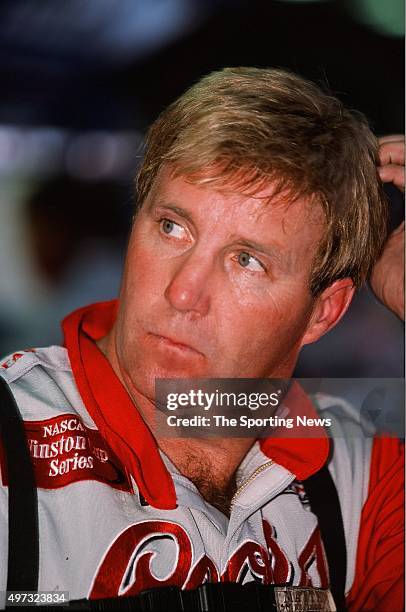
100,535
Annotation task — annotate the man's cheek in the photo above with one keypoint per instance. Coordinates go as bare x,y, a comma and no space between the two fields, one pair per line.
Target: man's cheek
144,270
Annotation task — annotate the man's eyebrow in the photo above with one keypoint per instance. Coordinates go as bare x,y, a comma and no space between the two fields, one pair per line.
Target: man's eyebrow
272,251
173,208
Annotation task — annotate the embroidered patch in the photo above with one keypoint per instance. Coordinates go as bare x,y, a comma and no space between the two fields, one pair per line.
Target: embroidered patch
64,450
11,359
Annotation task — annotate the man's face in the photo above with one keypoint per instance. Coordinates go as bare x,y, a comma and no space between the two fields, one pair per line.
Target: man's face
216,284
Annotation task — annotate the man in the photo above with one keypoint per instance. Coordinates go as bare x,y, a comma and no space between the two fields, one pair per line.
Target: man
260,210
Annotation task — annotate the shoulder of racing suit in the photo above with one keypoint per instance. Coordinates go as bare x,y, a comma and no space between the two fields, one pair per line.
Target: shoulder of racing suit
98,538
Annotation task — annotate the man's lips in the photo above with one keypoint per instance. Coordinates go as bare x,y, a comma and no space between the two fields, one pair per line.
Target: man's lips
175,343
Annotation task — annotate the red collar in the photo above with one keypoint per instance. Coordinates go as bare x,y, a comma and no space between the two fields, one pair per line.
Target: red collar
304,455
110,406
113,411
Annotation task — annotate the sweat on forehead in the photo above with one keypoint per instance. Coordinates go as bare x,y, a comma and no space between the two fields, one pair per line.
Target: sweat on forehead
244,182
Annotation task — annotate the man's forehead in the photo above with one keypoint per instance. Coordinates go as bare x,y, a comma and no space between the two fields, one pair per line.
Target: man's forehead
259,202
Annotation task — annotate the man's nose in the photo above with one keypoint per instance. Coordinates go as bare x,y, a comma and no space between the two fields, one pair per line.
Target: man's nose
188,288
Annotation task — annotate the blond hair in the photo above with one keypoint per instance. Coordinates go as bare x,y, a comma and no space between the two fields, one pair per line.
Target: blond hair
253,126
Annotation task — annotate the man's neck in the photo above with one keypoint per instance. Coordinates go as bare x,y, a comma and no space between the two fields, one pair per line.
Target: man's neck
211,464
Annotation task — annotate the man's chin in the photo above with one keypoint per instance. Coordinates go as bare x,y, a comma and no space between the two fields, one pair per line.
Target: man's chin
144,379
179,372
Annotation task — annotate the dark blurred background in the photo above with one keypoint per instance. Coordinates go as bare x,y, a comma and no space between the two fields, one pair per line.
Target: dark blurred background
80,83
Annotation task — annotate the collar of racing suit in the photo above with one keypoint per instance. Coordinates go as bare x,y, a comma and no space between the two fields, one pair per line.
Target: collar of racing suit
124,430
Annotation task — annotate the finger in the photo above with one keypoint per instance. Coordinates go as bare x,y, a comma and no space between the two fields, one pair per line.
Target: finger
392,153
392,173
391,138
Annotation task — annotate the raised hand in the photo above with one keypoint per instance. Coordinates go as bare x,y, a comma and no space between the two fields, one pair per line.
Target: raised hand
387,278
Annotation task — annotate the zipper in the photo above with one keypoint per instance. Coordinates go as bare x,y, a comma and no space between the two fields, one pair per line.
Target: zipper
260,469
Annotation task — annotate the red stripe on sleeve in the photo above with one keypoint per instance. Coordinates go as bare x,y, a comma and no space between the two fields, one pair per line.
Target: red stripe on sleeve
379,577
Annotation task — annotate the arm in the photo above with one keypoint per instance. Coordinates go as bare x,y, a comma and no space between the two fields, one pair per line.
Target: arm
387,278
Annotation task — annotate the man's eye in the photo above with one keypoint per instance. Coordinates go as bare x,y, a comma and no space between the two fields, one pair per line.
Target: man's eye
250,262
170,228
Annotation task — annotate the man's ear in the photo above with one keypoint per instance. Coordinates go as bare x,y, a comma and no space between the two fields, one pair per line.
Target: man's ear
329,307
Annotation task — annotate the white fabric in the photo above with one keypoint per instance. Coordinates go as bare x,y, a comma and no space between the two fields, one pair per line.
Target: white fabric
80,521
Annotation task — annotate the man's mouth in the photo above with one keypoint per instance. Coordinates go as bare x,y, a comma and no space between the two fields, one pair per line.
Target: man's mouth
175,343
